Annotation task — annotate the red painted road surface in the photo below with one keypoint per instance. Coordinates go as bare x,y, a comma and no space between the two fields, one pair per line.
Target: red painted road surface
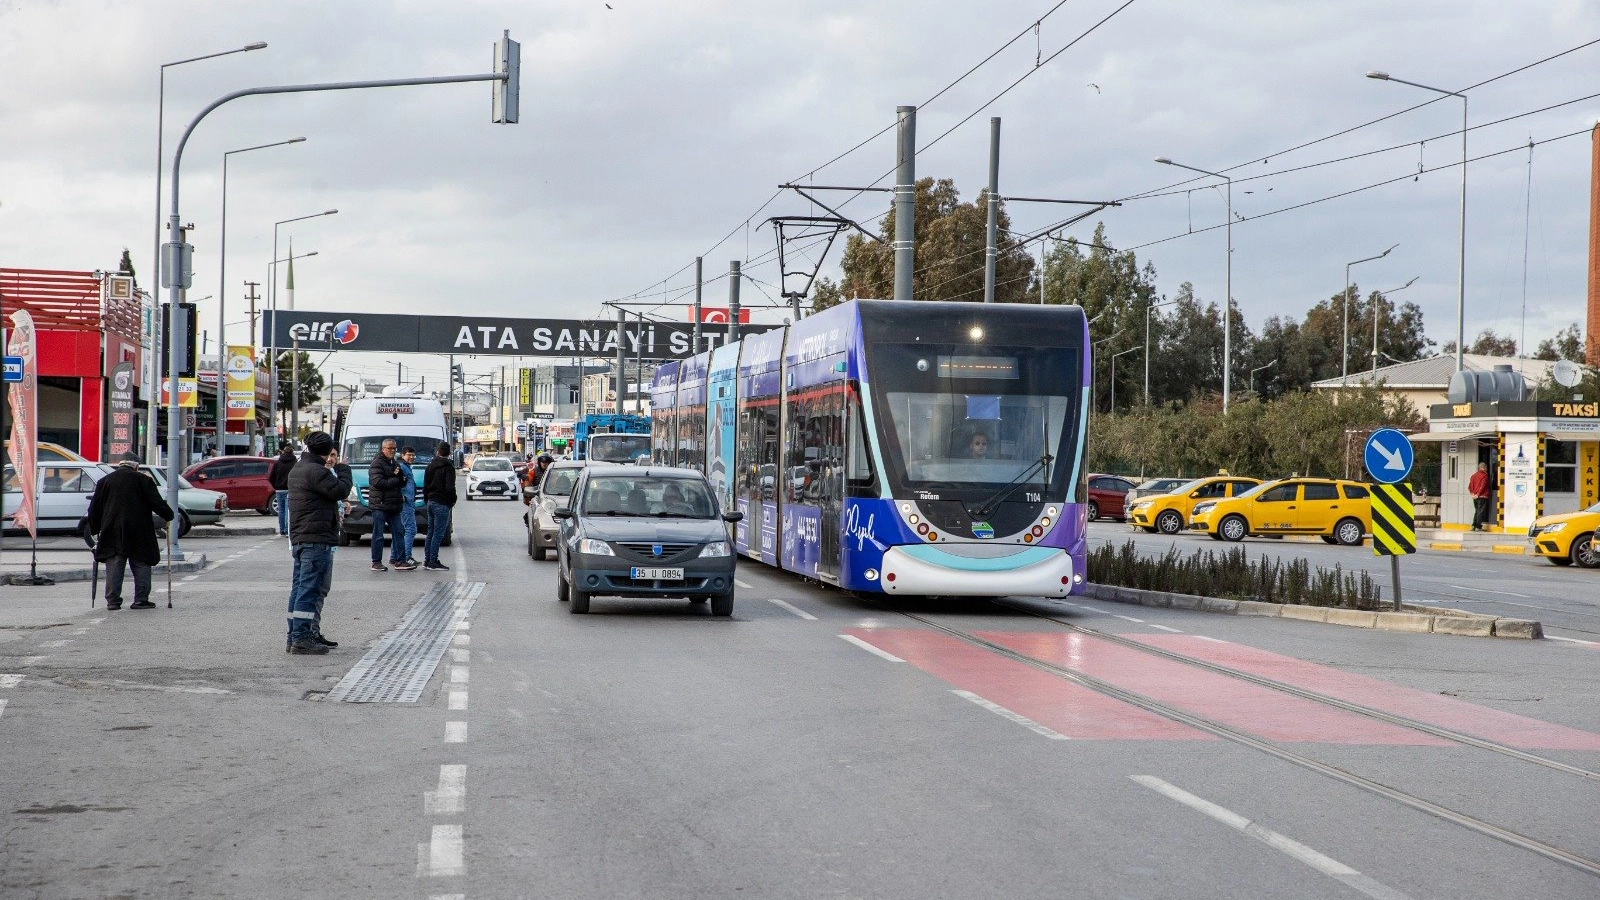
1080,713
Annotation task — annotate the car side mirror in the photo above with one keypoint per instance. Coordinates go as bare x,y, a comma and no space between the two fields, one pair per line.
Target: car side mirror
732,516
562,512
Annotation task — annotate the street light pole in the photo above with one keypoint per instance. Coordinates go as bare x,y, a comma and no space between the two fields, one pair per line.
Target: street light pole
1383,295
1114,377
222,296
1148,307
1344,307
155,252
1258,369
272,292
1227,300
1461,268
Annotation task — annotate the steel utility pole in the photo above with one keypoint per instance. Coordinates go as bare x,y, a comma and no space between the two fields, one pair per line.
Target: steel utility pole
250,426
733,302
622,355
699,282
991,248
905,204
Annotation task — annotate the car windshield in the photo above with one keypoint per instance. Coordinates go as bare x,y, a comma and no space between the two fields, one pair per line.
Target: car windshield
361,451
491,464
1159,485
679,498
619,448
160,475
559,482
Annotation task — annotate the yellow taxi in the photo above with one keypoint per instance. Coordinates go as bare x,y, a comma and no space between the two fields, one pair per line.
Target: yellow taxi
1339,511
1169,512
1568,538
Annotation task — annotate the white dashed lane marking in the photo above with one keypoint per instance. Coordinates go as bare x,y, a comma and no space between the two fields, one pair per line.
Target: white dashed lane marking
871,649
455,732
11,681
443,855
1018,718
748,587
52,645
799,612
458,700
459,655
458,674
450,796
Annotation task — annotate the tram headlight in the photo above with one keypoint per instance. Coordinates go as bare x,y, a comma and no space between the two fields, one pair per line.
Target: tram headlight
871,574
1078,578
905,509
914,519
1045,521
1050,511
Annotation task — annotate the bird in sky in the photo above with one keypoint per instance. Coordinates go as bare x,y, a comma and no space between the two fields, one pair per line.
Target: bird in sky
1095,86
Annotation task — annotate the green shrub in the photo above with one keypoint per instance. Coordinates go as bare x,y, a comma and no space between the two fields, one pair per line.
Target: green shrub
1231,574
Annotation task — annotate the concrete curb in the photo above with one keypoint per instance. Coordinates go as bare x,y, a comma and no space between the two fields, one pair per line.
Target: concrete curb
211,532
1416,620
85,573
1458,547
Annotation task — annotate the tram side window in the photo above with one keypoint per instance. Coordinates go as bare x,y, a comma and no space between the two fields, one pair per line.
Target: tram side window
815,448
860,469
692,431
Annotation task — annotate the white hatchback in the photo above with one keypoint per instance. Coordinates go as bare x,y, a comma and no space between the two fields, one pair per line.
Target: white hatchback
492,476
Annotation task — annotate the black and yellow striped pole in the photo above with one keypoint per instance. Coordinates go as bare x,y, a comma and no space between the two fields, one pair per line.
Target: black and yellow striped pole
1394,527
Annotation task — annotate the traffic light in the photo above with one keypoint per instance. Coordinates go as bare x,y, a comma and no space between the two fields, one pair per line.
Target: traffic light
507,62
456,375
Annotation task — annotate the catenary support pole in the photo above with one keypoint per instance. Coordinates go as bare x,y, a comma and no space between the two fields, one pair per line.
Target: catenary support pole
733,301
638,367
699,283
622,357
991,248
905,204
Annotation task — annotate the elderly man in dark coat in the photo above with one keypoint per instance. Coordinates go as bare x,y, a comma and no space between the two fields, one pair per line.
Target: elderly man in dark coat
317,485
122,518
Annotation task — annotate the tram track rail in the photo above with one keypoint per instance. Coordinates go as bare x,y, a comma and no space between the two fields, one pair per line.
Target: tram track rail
1225,732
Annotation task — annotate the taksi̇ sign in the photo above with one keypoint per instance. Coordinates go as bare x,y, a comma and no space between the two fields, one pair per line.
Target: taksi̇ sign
392,333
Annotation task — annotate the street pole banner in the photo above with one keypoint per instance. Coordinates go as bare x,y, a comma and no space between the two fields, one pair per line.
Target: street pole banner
121,401
24,397
188,392
241,386
443,334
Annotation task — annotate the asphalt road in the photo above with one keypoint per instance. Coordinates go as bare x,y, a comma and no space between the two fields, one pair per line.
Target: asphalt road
814,745
1566,600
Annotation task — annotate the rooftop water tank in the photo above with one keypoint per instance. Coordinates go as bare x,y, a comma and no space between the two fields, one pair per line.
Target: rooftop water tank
1502,383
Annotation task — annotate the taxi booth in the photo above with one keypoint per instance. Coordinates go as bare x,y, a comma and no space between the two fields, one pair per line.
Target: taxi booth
1543,459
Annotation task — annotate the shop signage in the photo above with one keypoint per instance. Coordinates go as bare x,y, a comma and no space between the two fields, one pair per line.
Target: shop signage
121,403
392,333
188,392
241,397
1589,410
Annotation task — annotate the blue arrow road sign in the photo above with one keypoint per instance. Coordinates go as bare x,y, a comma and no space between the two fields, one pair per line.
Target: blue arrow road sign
1389,456
13,368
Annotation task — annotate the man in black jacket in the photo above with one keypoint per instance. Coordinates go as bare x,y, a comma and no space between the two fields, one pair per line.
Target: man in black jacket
121,518
439,491
385,498
278,476
315,491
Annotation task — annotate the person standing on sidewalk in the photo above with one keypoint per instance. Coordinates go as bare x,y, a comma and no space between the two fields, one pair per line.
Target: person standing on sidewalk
408,508
317,485
1478,487
278,475
122,518
439,492
384,497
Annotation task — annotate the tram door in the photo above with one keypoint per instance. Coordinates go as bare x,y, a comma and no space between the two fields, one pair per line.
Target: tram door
829,492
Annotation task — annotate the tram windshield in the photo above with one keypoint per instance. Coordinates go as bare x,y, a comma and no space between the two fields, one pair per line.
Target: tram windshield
958,418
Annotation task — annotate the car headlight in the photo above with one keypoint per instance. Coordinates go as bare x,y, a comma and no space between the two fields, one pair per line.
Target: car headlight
595,548
1141,505
1203,508
1552,529
715,550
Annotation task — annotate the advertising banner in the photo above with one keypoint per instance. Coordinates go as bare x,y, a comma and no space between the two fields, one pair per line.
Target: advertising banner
241,397
188,392
121,403
525,387
24,398
394,333
1521,497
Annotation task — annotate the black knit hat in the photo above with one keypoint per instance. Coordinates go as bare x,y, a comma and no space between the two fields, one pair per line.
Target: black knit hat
319,443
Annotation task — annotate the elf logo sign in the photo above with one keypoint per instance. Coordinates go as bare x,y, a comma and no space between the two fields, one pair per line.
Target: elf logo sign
344,331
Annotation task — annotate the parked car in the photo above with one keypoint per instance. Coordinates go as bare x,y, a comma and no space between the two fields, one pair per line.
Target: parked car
1153,486
63,493
196,506
492,476
1339,511
48,452
242,478
1107,497
644,532
1568,538
550,494
1168,513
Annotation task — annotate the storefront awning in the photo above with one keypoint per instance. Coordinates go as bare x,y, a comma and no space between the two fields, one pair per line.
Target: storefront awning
1441,436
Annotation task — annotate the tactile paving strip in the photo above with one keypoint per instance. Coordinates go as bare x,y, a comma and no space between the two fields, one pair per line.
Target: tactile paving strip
400,664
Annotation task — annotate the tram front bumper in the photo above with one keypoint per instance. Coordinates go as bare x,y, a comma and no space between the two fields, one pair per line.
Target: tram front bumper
1031,572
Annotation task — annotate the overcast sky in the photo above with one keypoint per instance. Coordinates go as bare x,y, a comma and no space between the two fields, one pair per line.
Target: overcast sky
651,131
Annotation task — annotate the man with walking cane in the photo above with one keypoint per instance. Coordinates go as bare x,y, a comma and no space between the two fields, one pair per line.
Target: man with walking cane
122,519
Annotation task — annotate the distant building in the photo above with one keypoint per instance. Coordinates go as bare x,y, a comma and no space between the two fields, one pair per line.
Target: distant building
1424,382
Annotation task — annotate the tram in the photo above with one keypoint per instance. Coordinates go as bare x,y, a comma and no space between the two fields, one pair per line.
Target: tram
921,448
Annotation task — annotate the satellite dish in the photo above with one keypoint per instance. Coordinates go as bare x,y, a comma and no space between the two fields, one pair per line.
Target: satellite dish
1567,373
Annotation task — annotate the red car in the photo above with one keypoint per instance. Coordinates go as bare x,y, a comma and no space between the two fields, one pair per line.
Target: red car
1108,496
242,478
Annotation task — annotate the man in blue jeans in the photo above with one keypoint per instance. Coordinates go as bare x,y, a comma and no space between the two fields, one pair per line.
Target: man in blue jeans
317,484
278,476
439,491
384,497
408,507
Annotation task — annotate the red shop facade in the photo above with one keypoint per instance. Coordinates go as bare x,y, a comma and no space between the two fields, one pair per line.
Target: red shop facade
82,335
